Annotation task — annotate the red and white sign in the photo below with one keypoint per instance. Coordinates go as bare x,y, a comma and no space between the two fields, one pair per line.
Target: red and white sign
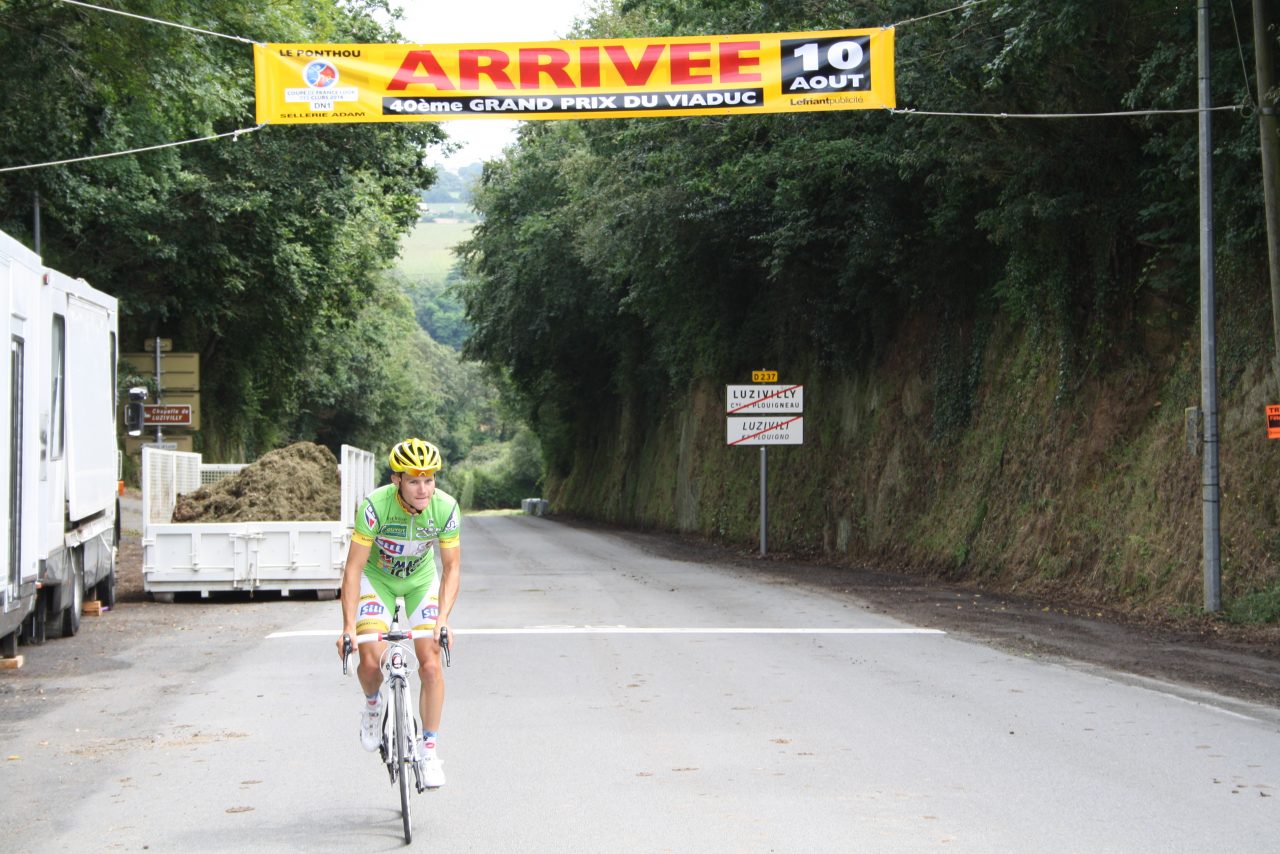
166,414
762,399
765,430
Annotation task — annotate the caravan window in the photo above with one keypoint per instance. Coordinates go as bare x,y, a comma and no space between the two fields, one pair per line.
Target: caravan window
58,346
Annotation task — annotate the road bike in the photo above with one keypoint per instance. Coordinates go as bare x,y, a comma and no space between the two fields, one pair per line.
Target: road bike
401,732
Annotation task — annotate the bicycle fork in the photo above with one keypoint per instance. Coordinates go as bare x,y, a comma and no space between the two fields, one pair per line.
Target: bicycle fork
405,725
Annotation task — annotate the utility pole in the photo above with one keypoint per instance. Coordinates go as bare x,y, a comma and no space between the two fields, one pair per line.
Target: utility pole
35,220
1262,58
1208,343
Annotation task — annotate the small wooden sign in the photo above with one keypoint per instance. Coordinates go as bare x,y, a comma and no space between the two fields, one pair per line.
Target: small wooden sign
1273,422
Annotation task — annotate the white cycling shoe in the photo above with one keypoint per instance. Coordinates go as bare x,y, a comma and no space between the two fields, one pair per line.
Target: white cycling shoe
371,726
432,773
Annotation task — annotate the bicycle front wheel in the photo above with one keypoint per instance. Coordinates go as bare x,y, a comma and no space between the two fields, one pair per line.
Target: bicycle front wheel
404,753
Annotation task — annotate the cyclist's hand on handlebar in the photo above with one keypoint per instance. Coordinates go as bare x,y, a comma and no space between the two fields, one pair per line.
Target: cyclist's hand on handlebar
346,642
444,638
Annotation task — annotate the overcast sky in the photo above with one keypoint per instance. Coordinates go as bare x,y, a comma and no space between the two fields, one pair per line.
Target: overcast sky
435,22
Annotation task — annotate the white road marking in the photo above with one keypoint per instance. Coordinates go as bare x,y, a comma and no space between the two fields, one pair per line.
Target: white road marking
637,630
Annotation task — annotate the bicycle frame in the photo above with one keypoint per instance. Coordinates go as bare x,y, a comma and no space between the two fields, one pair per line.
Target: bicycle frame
401,733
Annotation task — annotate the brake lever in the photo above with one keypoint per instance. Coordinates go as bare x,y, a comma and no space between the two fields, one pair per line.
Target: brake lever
346,653
444,645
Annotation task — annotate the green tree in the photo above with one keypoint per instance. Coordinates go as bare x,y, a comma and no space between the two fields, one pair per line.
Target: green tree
254,253
620,260
438,309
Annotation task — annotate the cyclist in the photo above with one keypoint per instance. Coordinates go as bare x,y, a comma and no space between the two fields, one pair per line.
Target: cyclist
391,555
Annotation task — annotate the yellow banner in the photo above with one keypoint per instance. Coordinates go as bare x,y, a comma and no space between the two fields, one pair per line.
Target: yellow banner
590,79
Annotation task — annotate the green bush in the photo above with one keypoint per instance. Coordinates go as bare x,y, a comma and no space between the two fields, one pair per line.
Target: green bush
498,475
1260,607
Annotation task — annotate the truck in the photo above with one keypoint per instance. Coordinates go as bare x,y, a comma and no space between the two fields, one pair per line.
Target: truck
207,557
61,466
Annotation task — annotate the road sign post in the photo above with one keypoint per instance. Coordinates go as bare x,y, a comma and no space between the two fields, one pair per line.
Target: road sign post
177,384
159,348
764,499
764,414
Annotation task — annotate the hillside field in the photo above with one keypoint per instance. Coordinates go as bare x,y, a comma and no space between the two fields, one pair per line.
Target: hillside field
427,250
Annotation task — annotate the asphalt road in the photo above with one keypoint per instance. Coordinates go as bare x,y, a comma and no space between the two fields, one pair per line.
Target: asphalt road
608,697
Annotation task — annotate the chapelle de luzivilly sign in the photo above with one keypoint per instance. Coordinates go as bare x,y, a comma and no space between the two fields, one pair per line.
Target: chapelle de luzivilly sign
584,79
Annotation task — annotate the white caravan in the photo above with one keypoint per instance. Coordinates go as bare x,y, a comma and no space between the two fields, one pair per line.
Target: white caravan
61,465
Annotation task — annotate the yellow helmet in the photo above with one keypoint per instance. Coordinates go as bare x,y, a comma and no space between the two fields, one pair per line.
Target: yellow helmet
415,455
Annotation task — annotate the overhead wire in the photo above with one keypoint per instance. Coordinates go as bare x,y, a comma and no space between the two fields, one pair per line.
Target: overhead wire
235,134
1115,114
159,21
1110,114
967,5
1240,50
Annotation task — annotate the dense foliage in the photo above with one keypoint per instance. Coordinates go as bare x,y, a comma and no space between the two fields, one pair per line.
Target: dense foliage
499,474
438,309
618,261
262,254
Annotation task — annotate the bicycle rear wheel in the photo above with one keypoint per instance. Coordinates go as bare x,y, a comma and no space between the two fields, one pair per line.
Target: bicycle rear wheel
404,753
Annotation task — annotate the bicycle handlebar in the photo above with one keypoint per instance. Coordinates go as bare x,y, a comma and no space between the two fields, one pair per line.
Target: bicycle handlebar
406,634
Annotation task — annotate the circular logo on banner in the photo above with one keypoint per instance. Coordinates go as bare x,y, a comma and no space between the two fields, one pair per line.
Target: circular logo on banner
320,74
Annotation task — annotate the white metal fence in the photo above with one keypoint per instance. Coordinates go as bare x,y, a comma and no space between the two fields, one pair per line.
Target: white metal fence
211,473
357,481
165,476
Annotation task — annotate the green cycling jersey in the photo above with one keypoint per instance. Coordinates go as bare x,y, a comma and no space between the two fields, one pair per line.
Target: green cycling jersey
401,541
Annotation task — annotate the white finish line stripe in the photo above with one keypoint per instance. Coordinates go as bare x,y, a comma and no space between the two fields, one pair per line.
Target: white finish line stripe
629,630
